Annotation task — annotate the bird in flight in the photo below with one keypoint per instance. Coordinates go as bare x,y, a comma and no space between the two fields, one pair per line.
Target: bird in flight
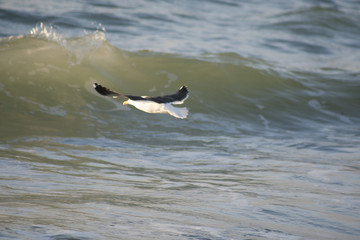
160,104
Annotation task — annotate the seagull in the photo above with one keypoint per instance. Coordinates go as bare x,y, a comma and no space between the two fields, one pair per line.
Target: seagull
160,104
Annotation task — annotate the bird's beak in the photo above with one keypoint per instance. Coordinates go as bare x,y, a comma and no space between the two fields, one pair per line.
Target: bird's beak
125,102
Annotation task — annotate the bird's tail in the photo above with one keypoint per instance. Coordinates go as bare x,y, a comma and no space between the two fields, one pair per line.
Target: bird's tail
177,112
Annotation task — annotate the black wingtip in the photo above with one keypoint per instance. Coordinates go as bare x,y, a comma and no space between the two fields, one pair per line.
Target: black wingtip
100,89
105,91
184,89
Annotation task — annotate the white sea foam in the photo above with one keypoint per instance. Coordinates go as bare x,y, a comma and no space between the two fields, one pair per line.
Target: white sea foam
317,106
78,47
47,32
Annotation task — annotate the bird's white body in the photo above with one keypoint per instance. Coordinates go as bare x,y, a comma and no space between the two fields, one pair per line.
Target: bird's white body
153,107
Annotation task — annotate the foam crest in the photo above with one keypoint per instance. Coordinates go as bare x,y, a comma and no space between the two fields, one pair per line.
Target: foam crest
77,47
43,31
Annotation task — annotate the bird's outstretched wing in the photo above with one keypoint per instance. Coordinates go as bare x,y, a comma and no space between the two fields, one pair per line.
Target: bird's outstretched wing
160,104
177,98
106,92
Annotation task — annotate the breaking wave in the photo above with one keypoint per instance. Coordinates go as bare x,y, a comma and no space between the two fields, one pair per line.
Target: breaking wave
46,88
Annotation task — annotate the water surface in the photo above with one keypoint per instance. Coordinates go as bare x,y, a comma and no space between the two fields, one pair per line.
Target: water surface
270,149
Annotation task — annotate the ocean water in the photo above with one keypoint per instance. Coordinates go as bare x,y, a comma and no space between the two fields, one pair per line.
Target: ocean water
270,149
